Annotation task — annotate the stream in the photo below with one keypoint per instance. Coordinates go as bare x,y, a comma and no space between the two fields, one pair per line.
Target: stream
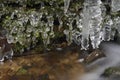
61,65
112,59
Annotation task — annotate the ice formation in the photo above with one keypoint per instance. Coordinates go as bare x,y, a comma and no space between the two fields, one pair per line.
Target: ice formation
66,5
95,25
84,23
91,23
107,30
115,5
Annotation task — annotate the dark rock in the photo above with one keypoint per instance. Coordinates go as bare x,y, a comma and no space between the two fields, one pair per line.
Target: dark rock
94,55
112,73
44,77
5,49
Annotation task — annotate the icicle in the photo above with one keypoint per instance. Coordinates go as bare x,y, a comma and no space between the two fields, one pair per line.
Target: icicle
66,5
76,33
68,34
107,29
50,23
44,33
86,27
61,24
79,23
116,27
115,4
103,9
92,20
76,37
96,20
34,18
117,24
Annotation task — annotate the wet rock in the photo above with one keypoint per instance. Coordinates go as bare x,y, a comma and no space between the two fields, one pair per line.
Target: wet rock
44,77
112,73
21,71
94,56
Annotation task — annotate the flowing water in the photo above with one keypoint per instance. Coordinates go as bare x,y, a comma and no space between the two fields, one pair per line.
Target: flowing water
112,59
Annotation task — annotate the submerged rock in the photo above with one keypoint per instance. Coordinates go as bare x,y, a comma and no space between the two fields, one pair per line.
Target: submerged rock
96,54
52,66
112,73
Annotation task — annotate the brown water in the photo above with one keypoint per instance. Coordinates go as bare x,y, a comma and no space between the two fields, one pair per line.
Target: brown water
58,65
50,66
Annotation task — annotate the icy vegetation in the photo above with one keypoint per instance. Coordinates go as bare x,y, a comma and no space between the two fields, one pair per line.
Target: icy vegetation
84,22
95,25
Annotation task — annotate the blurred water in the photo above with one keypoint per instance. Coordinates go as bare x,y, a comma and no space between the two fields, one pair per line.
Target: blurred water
112,58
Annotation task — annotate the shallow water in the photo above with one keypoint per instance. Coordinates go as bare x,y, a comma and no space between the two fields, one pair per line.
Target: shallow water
60,65
55,65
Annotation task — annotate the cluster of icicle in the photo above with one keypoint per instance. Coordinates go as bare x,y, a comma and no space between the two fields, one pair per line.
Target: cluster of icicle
27,28
94,25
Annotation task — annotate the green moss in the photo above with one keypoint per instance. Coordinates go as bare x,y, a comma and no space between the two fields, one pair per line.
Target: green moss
21,71
110,71
24,9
